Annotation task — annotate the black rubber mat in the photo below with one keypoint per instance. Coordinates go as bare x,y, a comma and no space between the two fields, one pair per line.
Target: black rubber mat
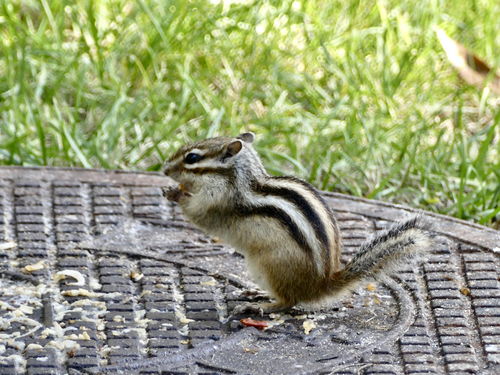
100,275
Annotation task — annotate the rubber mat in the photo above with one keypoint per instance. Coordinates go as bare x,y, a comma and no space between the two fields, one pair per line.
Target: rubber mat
101,275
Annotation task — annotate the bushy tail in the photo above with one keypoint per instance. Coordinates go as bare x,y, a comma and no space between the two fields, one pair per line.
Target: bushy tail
388,250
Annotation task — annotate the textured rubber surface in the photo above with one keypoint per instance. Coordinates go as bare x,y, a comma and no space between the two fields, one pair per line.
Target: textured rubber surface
99,274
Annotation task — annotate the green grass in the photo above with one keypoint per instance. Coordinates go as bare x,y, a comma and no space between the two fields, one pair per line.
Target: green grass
355,96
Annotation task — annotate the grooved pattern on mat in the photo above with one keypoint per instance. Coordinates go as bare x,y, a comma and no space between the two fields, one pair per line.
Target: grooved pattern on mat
153,286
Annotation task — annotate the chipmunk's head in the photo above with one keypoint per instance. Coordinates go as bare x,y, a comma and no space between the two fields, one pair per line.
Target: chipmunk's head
215,158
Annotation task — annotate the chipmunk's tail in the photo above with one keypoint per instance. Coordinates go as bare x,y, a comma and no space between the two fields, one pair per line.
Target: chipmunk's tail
398,245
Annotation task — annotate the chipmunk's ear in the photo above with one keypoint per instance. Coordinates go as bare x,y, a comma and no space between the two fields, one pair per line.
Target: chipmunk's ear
234,147
246,137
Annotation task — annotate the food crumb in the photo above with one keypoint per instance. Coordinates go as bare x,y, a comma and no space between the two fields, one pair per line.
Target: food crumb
35,267
136,276
7,245
34,347
250,350
78,293
64,274
308,326
465,291
209,283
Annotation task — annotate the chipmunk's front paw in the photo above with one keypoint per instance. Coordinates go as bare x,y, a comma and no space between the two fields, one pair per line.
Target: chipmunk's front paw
252,308
172,193
175,193
261,308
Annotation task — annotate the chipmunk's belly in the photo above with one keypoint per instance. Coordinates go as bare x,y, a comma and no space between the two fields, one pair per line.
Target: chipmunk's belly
268,249
258,275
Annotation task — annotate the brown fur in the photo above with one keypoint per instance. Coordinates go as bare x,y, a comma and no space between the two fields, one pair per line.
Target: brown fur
231,196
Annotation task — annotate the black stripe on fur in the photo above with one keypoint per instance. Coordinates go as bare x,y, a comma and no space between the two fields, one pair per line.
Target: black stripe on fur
301,203
372,255
284,219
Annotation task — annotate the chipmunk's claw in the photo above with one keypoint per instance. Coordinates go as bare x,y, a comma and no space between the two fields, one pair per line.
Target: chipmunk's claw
261,308
253,308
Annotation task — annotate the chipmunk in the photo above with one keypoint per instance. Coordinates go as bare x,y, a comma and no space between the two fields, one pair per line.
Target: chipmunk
283,227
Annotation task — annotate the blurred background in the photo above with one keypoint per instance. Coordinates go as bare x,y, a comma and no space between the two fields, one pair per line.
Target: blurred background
357,97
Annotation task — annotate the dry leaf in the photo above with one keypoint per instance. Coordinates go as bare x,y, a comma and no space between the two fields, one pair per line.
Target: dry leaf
259,324
471,68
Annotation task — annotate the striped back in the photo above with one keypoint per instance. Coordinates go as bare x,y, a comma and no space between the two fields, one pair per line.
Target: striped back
232,165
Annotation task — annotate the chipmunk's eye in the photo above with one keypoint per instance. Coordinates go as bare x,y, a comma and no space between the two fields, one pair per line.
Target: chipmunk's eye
192,158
